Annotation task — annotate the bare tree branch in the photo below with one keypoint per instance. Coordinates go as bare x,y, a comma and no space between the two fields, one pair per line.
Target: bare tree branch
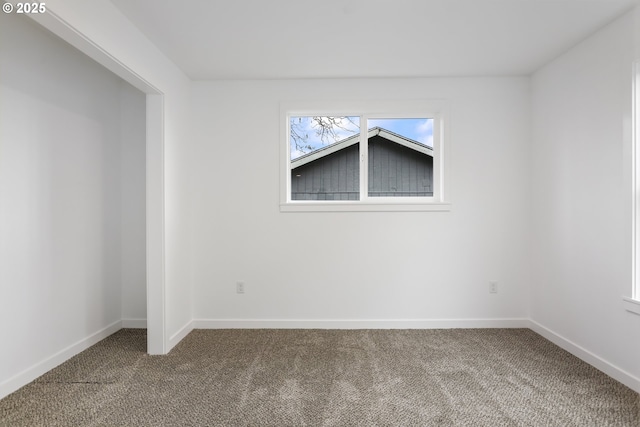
326,128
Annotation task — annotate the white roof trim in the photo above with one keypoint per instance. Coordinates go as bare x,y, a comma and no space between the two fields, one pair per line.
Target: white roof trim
347,142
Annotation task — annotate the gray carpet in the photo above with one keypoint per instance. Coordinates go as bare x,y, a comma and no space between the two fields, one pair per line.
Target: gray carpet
478,377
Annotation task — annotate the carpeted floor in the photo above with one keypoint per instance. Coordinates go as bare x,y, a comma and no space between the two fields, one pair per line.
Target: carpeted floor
471,377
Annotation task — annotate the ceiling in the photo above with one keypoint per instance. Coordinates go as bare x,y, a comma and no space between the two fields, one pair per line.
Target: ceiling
277,39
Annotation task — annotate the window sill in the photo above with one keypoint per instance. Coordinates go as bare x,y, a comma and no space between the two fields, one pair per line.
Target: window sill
631,305
363,207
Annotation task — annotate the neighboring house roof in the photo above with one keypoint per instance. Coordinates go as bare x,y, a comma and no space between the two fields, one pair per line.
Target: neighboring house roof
347,142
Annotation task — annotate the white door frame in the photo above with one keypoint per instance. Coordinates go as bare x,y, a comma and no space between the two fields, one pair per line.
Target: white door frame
156,314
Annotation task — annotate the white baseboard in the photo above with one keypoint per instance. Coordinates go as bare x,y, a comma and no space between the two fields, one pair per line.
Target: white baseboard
134,323
580,352
25,377
19,380
179,336
358,324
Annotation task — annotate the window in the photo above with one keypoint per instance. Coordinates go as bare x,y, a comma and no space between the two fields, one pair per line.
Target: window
324,157
382,156
400,153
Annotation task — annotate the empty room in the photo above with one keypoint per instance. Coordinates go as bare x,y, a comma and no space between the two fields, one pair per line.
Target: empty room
336,213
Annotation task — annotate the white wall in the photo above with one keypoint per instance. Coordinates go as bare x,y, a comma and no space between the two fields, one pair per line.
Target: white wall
581,206
99,29
133,210
61,211
360,266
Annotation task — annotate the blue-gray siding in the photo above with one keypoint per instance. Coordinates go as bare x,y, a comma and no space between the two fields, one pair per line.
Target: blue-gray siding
398,171
333,177
394,171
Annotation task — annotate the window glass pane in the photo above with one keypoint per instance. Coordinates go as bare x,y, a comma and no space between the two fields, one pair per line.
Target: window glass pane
400,157
324,157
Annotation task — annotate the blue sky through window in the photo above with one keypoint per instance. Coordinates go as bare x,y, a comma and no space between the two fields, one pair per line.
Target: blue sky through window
306,135
420,130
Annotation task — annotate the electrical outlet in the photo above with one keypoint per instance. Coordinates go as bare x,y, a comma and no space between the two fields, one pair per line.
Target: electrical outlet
239,287
493,287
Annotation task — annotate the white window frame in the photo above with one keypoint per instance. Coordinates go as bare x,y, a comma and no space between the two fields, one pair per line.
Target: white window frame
433,109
